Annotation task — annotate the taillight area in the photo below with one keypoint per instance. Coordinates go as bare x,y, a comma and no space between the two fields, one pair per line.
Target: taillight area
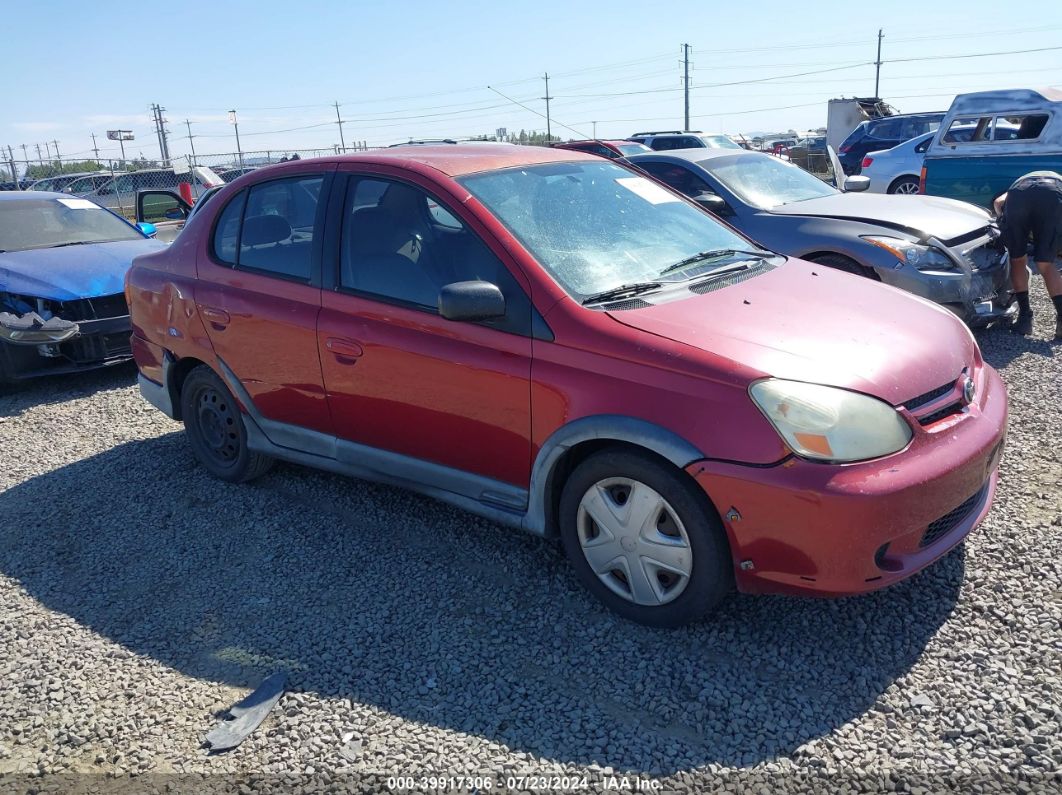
922,181
866,162
844,149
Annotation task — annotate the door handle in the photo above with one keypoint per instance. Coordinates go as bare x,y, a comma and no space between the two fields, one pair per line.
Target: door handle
218,318
345,351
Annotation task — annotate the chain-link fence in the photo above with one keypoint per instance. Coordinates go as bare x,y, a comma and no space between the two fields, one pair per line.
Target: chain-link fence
114,184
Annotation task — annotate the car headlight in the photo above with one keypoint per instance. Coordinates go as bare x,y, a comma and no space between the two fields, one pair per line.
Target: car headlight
830,424
32,329
925,258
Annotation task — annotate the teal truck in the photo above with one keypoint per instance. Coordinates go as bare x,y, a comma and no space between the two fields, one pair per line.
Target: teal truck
1013,132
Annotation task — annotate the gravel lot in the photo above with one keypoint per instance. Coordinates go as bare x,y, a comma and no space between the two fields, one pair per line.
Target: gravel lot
139,598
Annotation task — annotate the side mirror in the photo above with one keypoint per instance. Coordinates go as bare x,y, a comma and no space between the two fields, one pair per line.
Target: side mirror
174,214
712,202
147,229
476,300
856,184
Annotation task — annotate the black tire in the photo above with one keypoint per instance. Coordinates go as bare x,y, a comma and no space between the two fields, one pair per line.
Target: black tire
904,186
712,576
214,426
842,263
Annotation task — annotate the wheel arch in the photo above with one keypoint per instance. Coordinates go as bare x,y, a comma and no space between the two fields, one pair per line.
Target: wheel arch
175,371
573,443
902,178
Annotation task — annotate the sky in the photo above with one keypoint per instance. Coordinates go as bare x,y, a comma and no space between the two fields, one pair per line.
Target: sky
417,69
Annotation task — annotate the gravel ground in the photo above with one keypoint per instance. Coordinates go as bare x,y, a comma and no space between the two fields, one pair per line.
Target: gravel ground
139,598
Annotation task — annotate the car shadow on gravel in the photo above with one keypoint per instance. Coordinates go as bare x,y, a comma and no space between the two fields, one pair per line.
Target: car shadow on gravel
23,395
1000,346
375,595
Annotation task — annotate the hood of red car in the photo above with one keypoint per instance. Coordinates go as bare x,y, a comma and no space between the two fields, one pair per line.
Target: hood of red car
809,323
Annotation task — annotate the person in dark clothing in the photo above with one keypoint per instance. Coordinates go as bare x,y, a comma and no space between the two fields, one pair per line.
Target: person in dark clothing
1033,207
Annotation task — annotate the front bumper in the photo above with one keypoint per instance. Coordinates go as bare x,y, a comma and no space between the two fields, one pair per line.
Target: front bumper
99,343
978,291
802,527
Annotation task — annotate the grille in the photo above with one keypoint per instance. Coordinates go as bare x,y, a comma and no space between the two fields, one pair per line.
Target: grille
729,279
937,416
97,347
929,396
94,308
946,523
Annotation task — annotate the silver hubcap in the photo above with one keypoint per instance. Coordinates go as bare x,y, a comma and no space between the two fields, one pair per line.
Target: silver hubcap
907,187
634,541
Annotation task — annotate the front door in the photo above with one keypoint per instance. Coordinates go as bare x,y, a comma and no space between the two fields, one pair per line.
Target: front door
400,377
163,209
259,295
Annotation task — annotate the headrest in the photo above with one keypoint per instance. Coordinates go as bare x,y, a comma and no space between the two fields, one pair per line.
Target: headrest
259,230
374,231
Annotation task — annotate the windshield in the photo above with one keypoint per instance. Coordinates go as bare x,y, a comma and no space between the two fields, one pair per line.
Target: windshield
44,223
854,136
719,142
596,226
765,181
633,149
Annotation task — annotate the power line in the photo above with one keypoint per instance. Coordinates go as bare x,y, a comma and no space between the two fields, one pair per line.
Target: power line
971,55
525,107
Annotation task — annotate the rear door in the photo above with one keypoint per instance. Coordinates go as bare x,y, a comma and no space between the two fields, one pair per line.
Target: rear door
259,294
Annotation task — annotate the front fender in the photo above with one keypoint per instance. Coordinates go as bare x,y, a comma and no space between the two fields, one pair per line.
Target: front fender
609,427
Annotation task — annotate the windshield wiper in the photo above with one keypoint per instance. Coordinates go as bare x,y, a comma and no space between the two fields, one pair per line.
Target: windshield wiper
623,291
723,271
719,253
73,243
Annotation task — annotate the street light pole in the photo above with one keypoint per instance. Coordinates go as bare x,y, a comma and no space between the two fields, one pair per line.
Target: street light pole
236,126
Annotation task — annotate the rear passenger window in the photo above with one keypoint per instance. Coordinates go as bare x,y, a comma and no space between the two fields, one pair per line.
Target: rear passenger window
227,231
1029,127
276,236
976,129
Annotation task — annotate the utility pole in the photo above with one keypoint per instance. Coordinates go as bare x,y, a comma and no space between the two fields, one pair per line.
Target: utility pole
549,135
236,125
25,157
339,120
686,82
41,159
155,121
595,129
47,150
877,67
188,124
57,157
95,148
160,129
14,170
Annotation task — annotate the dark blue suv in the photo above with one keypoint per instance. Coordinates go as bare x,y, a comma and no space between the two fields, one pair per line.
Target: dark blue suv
884,133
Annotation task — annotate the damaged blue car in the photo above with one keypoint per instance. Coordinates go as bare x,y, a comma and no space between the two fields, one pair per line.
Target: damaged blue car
63,262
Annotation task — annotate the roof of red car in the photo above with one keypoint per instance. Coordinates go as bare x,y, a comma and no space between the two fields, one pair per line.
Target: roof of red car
457,160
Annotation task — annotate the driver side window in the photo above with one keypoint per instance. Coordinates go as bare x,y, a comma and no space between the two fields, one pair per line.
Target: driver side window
400,245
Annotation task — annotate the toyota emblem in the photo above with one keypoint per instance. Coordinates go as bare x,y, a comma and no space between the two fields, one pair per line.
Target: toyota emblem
968,390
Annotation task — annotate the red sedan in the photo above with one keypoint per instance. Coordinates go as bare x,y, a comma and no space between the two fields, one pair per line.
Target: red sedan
550,340
613,150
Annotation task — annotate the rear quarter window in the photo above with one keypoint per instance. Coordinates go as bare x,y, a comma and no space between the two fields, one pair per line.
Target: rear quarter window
227,230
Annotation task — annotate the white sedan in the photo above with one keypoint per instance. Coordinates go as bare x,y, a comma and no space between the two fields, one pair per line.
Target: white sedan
897,170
